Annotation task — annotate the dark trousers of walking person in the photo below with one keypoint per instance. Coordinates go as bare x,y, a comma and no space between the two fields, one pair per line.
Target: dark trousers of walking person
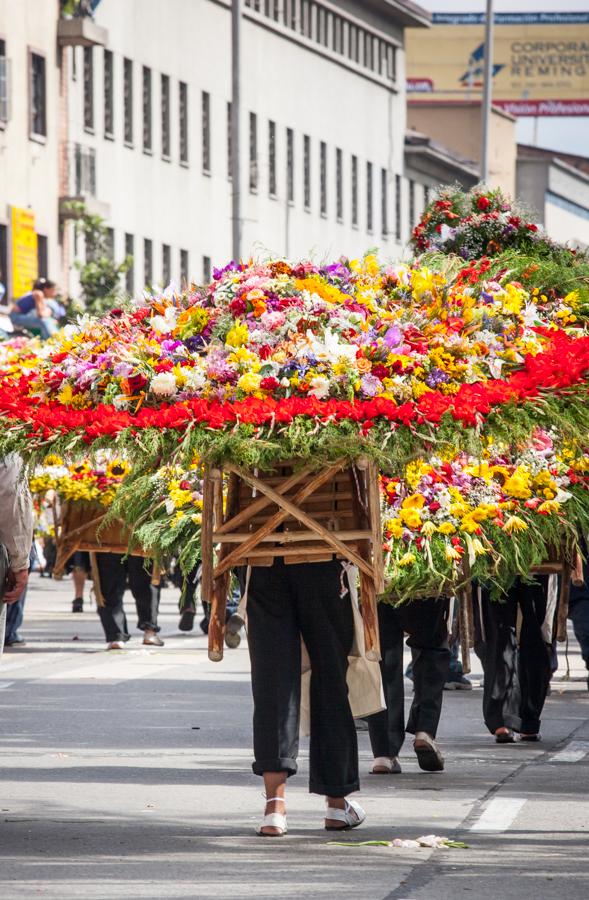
285,603
114,575
426,622
516,672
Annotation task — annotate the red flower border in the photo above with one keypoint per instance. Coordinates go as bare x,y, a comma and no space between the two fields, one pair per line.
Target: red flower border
564,364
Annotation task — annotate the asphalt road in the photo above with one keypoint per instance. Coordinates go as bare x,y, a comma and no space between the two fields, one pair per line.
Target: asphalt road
128,775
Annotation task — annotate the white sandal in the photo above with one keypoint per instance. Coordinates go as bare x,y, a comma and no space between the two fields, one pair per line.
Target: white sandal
352,816
273,820
385,765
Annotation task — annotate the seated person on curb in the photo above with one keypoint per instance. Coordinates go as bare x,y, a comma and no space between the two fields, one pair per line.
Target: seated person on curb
426,622
36,309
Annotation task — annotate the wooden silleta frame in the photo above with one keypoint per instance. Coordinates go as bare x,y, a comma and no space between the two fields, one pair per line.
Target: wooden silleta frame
305,515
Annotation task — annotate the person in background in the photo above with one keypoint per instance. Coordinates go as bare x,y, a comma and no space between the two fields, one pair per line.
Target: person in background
114,571
16,527
513,640
38,309
15,615
426,623
579,614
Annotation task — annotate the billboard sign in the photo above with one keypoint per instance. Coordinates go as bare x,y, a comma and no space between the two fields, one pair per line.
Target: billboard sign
540,61
23,238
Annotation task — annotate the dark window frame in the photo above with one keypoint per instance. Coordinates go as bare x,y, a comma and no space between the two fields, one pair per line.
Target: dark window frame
369,197
37,118
128,117
323,199
147,106
166,265
165,116
307,190
206,131
253,153
108,94
88,90
183,131
290,167
272,182
339,184
130,273
147,262
354,180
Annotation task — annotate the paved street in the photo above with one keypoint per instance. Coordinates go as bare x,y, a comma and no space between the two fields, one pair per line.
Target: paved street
128,775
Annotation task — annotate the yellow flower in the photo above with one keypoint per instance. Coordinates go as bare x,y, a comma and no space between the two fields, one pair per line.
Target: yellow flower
118,468
249,382
428,529
53,460
549,506
515,523
415,501
394,527
238,335
65,395
410,517
446,528
452,552
518,484
407,559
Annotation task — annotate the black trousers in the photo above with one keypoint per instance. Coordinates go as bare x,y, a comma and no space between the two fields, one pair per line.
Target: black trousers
517,675
286,602
426,622
114,575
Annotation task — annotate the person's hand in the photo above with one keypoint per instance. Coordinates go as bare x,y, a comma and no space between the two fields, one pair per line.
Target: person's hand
16,582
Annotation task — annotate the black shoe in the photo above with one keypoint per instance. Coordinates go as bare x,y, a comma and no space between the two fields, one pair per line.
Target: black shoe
428,754
504,735
78,605
186,622
15,642
204,625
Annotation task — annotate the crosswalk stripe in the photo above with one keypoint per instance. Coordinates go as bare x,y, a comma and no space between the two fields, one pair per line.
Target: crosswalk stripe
573,752
499,814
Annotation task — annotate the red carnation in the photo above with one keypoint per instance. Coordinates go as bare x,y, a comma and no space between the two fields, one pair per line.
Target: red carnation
483,203
269,384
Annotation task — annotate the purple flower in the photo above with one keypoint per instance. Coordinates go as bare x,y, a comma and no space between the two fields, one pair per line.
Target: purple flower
370,385
393,337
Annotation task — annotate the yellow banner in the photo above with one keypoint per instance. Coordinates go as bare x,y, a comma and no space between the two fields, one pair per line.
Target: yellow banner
540,61
25,267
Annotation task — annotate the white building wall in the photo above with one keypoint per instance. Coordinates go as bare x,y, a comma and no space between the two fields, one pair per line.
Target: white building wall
29,165
283,81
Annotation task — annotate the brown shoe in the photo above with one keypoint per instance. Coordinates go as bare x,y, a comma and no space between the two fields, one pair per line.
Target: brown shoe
428,754
151,639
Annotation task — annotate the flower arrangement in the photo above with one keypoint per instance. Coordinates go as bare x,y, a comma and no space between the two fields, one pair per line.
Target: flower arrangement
79,482
445,512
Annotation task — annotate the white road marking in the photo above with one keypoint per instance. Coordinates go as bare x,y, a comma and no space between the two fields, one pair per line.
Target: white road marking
5,684
110,670
499,814
573,752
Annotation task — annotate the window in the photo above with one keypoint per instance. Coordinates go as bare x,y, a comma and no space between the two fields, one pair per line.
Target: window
109,243
384,205
272,158
128,101
206,132
165,114
184,268
183,123
426,195
229,143
109,118
253,153
166,264
4,107
206,269
130,273
147,129
339,184
398,208
369,198
88,89
42,257
38,107
323,177
355,191
147,262
290,165
354,44
307,170
4,274
411,203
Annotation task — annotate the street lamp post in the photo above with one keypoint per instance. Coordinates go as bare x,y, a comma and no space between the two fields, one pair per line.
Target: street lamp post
235,129
487,92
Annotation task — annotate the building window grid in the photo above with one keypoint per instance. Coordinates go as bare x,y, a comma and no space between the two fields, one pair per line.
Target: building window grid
354,191
272,158
323,178
184,268
411,203
339,184
109,118
147,121
398,219
4,94
130,273
128,101
384,203
253,151
369,199
38,97
290,180
333,31
147,262
206,269
166,264
229,142
206,132
88,89
165,116
183,121
307,170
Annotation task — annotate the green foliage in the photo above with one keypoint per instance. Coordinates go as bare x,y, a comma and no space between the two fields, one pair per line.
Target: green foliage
100,275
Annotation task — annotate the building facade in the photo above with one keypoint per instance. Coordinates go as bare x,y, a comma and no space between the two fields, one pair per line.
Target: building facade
137,121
